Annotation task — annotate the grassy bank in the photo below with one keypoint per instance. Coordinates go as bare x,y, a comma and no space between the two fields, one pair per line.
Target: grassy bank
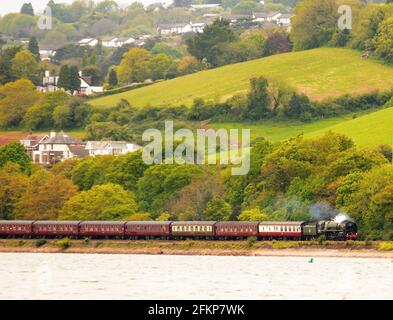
190,247
312,72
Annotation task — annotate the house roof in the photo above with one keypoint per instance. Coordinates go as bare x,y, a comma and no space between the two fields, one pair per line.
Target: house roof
173,25
79,151
286,15
265,14
62,138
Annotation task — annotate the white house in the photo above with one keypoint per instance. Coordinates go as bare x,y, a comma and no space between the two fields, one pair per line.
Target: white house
266,17
205,6
47,52
49,83
88,42
180,28
57,147
86,87
110,42
31,142
101,148
285,19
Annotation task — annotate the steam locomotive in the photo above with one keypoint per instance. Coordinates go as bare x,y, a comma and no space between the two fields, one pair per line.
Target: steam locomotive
178,230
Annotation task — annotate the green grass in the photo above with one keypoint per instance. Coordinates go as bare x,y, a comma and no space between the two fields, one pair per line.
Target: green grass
319,73
368,130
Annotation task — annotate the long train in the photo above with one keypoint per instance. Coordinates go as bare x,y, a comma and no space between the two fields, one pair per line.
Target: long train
178,230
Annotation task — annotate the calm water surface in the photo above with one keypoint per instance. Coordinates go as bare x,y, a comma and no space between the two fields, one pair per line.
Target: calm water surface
104,276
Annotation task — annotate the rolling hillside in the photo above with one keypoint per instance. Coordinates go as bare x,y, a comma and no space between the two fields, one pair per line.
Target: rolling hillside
319,73
367,130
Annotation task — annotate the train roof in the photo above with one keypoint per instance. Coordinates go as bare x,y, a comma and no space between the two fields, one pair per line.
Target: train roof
194,223
237,222
41,222
102,222
16,221
282,223
149,222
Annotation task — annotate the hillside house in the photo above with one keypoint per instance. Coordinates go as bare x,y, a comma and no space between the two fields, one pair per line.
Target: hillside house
114,42
47,52
86,86
31,142
54,148
180,28
101,148
266,17
88,42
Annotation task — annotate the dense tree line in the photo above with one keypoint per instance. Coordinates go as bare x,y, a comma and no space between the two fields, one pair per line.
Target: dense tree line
286,181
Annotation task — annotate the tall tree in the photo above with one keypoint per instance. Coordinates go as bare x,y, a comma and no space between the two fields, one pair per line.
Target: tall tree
135,66
206,45
259,100
64,78
33,47
113,78
314,23
25,65
27,8
75,81
6,55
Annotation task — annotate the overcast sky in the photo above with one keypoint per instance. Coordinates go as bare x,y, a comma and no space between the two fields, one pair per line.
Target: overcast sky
7,6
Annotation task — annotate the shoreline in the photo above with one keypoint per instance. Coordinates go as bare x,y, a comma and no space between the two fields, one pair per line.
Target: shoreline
202,248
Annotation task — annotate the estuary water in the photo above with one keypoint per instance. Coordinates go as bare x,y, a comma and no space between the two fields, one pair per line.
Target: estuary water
106,276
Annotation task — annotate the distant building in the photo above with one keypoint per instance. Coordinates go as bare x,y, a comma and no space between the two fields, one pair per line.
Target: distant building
101,148
49,84
47,52
53,148
88,42
180,28
114,42
236,17
266,17
205,6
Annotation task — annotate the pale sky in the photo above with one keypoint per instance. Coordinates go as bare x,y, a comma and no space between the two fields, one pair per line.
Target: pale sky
7,6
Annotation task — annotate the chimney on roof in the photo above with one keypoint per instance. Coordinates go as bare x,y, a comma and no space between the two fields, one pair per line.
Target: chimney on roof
52,134
47,73
80,74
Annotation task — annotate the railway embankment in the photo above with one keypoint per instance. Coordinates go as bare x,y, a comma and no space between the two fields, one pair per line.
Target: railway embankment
250,247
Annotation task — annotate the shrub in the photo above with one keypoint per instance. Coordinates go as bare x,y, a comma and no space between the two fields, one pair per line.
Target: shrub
40,243
385,246
321,239
21,243
63,243
251,241
86,240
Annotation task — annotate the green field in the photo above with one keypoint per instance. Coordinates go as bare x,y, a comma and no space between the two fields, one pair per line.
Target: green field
319,73
367,130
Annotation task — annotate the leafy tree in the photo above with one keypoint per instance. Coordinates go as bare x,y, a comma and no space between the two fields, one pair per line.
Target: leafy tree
16,153
103,202
40,115
205,45
188,64
314,23
25,65
298,105
253,215
75,82
218,210
94,73
45,196
160,66
33,47
15,98
64,77
259,100
126,170
276,43
113,82
27,8
6,55
135,66
384,40
62,117
13,184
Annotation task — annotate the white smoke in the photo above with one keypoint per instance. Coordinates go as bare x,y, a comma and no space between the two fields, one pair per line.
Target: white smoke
323,211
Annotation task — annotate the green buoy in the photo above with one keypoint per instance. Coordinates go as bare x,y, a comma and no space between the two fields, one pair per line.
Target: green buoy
311,260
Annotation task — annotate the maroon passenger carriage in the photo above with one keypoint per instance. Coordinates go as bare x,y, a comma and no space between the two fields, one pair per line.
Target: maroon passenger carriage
236,230
56,229
102,229
148,229
14,228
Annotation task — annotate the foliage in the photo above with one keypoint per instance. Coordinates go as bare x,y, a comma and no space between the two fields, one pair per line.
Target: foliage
45,196
134,66
16,153
218,210
102,202
253,215
15,98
